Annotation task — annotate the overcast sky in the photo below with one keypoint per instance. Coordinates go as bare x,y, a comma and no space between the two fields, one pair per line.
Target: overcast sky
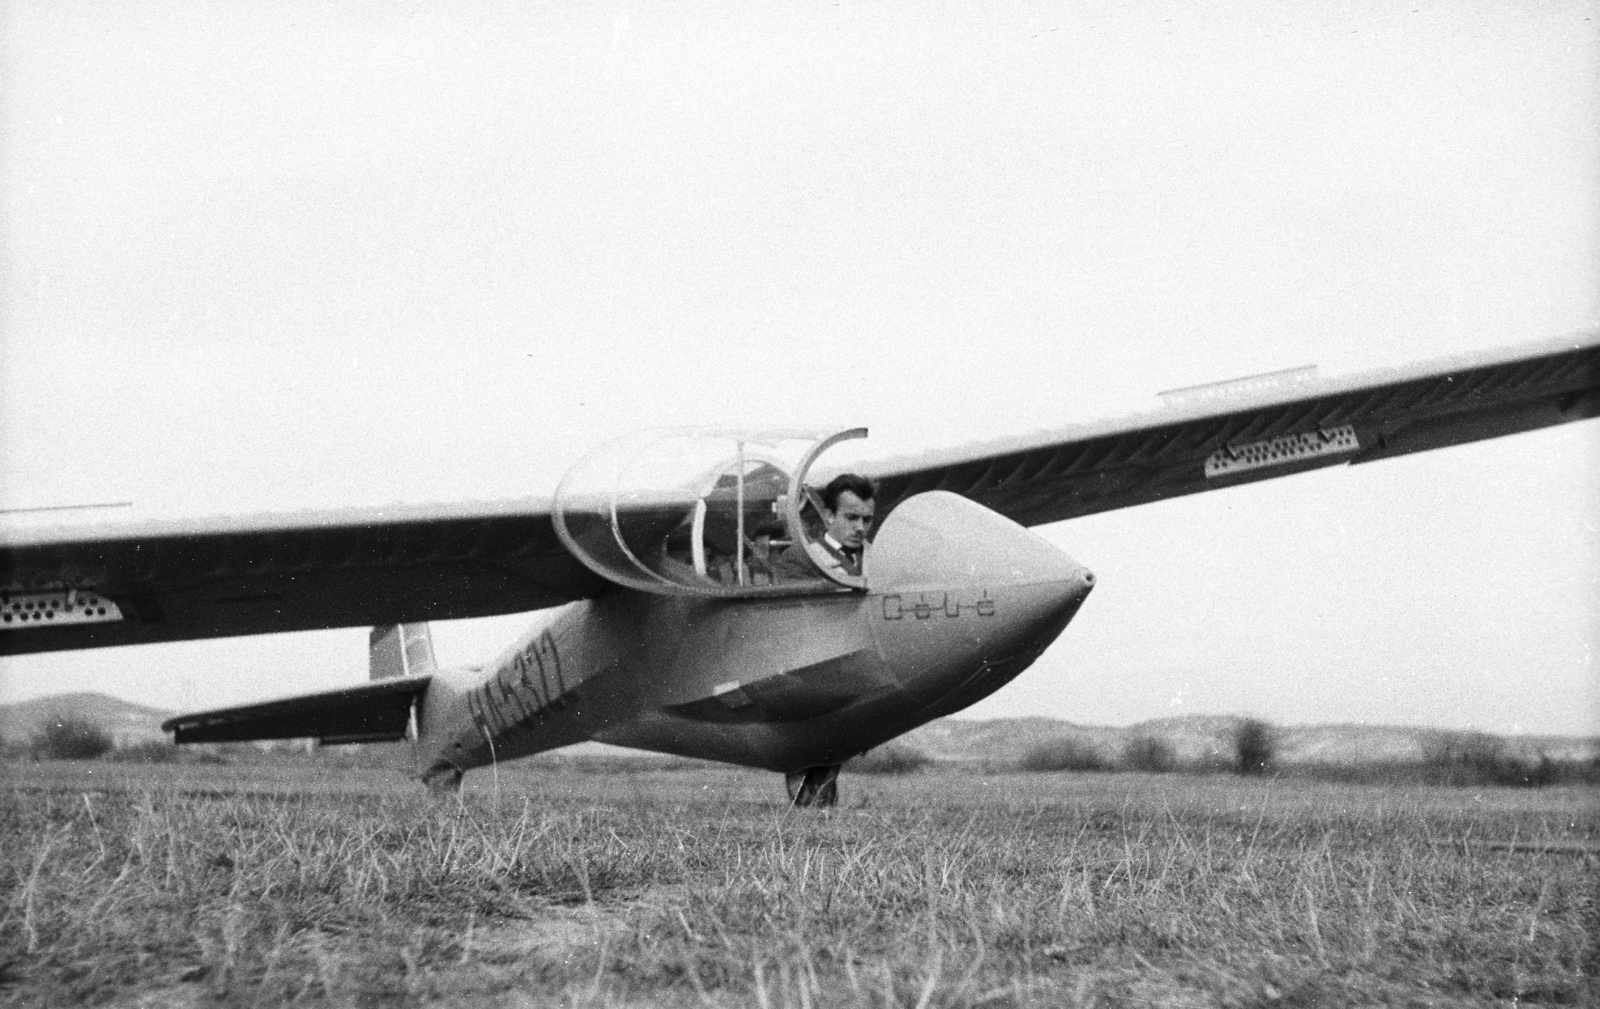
261,257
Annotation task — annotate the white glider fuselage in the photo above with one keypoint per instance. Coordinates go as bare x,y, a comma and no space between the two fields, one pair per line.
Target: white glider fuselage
961,601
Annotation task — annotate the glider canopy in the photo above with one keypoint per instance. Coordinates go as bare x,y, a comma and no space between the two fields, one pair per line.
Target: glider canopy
699,512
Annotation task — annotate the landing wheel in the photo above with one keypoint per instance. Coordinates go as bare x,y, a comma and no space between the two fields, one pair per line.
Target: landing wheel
815,786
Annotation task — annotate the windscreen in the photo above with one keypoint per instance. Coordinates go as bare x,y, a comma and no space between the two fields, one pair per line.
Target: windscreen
701,512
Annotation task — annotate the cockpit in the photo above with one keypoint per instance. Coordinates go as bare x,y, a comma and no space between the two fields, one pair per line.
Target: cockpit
703,512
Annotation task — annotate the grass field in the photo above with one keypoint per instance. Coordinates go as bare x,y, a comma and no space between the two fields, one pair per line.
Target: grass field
184,884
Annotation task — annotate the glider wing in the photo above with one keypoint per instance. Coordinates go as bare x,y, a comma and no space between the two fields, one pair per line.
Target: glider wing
84,586
1220,436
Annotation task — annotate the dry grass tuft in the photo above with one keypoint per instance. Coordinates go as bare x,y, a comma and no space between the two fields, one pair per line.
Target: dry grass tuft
172,883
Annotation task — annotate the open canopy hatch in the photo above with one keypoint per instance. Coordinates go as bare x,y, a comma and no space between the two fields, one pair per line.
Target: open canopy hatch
703,512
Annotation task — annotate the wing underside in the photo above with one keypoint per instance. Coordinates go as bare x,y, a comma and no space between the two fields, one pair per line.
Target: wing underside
173,581
1211,445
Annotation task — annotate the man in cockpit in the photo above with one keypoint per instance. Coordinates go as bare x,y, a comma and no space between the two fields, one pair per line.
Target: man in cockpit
847,506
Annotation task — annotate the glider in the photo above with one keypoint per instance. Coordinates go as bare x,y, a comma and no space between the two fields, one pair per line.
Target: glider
673,631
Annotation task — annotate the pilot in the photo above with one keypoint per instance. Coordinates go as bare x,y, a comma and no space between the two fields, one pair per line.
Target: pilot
847,505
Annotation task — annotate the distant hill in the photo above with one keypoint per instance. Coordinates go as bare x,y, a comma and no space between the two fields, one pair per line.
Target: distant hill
128,723
1004,740
1194,740
1203,739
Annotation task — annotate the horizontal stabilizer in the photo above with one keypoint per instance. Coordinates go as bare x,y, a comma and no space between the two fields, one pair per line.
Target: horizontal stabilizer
376,712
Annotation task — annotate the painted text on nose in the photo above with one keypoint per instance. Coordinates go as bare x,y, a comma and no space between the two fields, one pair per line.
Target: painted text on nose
952,605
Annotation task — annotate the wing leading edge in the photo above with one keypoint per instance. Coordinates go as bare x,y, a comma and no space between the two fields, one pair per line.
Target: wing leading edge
1206,446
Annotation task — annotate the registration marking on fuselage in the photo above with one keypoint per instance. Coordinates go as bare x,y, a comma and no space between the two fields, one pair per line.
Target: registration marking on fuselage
898,606
1282,450
526,687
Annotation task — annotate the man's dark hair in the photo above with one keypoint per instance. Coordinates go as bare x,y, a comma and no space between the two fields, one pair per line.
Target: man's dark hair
856,484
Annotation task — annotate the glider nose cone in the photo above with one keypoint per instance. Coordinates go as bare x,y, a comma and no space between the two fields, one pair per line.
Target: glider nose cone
1044,603
969,598
1040,611
939,538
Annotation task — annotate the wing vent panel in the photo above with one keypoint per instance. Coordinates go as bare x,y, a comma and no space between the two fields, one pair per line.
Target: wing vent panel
24,610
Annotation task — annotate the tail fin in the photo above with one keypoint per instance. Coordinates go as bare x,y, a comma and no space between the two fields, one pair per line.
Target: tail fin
401,650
